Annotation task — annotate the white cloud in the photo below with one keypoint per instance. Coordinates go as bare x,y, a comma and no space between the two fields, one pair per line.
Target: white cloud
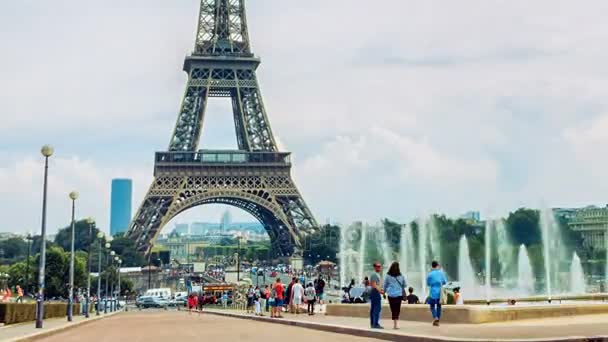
389,109
21,185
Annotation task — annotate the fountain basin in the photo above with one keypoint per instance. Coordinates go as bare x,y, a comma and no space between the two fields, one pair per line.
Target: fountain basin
474,314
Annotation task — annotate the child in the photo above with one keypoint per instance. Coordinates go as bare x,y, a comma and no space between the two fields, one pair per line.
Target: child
458,300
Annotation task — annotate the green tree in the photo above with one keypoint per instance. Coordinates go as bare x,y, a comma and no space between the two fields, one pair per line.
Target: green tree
82,239
324,244
13,248
125,249
523,227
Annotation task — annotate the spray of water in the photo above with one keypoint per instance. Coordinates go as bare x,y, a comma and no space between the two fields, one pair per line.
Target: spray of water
525,277
488,243
577,276
422,252
362,249
466,274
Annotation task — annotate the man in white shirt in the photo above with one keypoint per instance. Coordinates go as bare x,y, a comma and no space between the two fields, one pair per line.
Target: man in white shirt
297,295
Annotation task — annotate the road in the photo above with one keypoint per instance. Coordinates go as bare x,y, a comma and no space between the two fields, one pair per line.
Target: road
152,326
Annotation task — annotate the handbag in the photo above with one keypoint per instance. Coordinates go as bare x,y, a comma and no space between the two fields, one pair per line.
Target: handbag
403,291
443,299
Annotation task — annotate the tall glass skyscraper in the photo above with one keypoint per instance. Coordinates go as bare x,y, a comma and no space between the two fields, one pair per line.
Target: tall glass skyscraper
120,207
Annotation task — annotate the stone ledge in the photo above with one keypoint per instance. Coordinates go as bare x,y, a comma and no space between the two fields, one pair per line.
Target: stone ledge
473,314
386,335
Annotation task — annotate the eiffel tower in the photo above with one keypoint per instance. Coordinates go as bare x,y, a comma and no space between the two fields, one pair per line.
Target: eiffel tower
256,177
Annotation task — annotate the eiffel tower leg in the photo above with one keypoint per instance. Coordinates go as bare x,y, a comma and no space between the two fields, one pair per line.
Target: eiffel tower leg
149,219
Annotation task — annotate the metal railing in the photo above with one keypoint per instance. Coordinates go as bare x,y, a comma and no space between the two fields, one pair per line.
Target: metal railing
222,157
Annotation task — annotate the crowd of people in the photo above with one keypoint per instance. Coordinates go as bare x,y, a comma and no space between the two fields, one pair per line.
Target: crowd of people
278,297
7,295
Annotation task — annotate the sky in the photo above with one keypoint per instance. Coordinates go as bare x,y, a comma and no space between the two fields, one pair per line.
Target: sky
393,110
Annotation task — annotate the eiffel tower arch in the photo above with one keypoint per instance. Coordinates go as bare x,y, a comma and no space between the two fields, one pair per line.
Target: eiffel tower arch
256,177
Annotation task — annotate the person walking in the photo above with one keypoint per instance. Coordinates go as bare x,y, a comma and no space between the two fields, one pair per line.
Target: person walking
311,297
256,301
297,296
262,300
250,299
435,281
320,289
375,297
279,290
288,295
192,303
266,297
200,301
394,287
412,298
225,300
19,294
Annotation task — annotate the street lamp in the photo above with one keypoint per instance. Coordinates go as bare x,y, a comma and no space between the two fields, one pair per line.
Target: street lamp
46,151
119,261
110,264
100,238
91,223
73,196
105,303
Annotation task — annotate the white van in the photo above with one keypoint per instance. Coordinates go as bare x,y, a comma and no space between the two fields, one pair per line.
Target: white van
157,298
164,293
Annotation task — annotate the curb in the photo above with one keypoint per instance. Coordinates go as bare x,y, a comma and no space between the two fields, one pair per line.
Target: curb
387,336
46,333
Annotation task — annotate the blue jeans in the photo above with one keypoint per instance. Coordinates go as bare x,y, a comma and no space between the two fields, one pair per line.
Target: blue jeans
435,307
376,307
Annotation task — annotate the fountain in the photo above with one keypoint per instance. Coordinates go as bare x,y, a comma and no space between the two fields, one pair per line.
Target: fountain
362,247
525,276
434,238
350,259
505,253
577,276
422,252
407,250
552,249
382,244
488,262
466,274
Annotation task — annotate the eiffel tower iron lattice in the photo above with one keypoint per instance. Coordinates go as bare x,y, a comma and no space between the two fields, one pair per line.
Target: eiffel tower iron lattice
256,177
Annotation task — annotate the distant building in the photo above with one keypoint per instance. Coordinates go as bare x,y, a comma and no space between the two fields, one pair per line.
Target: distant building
120,206
592,222
471,216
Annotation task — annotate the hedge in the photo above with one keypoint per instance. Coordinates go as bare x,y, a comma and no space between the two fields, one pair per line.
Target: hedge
11,313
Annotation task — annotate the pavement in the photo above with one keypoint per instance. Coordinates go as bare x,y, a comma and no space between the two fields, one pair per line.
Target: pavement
159,325
27,331
574,328
231,325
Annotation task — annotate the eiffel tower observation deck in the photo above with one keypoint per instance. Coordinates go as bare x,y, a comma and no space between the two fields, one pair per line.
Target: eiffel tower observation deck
257,176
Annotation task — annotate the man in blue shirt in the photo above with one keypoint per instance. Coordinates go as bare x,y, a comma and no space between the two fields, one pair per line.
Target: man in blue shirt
435,281
375,297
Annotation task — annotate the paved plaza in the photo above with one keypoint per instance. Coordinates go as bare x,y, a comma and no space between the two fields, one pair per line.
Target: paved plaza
160,325
155,325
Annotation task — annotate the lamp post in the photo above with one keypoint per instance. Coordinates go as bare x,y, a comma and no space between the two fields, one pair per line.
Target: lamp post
100,238
111,292
91,223
119,261
105,303
238,259
73,196
46,151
